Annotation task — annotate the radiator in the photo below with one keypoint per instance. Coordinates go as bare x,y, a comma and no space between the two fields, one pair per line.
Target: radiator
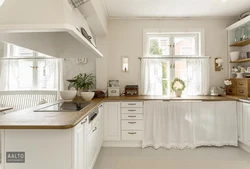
19,100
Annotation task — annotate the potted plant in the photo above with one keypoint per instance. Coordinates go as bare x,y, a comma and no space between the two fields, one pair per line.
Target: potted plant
178,86
83,82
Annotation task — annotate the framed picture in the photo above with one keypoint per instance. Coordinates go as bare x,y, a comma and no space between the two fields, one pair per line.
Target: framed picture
113,83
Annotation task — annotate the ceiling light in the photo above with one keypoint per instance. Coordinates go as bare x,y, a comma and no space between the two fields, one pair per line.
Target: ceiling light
1,2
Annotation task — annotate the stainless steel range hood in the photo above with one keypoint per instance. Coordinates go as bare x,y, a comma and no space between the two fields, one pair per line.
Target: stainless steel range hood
48,26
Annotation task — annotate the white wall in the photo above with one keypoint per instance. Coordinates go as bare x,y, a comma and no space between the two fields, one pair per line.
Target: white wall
71,69
125,38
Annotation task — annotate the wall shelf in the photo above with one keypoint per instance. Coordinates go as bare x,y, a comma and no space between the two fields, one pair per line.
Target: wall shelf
241,61
242,43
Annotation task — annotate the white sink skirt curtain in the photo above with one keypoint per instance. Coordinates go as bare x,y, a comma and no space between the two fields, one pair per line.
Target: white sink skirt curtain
189,124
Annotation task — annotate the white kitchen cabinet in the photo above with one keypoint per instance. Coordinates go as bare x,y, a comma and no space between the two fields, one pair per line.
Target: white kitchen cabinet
246,123
101,121
80,145
112,129
240,121
93,146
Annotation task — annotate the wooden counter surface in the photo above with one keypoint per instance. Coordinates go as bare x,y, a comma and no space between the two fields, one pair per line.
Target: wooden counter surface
5,108
28,119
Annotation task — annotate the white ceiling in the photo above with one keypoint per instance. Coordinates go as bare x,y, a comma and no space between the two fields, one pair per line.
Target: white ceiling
175,8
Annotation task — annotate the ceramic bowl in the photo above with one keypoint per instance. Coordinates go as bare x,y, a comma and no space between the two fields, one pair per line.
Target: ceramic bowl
234,55
68,94
87,95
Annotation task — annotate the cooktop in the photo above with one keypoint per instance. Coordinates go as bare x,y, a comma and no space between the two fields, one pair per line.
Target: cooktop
64,107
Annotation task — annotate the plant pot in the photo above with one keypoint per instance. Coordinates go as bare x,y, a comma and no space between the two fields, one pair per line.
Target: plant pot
178,93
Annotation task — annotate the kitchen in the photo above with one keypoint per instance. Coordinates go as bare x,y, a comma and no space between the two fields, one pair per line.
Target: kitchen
143,52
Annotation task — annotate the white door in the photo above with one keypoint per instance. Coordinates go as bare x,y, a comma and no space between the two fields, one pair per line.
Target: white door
112,121
80,145
246,123
240,121
93,145
101,120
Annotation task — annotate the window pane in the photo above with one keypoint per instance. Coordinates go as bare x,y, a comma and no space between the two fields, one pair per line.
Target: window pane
46,74
21,52
185,46
180,71
25,75
159,46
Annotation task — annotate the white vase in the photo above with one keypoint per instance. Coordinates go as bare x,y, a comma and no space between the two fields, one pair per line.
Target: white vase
178,93
239,75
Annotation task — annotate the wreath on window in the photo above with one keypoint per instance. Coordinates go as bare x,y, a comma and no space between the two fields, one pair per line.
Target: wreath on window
181,82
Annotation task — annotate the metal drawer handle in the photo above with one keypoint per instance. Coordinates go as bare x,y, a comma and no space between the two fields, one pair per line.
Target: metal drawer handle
132,133
131,104
132,116
94,129
230,90
132,122
241,83
241,91
131,110
84,121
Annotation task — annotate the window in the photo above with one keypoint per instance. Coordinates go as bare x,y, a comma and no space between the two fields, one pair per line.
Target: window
172,55
29,70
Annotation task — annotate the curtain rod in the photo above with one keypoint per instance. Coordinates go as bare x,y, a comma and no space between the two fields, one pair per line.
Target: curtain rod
4,58
177,57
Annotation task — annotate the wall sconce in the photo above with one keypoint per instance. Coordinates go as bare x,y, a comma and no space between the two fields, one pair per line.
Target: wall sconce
125,63
218,64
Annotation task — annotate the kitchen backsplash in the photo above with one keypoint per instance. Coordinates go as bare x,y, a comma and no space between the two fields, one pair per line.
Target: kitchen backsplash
71,69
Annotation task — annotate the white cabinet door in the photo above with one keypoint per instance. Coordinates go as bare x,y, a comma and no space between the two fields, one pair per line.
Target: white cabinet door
240,121
93,145
246,123
80,145
101,121
112,121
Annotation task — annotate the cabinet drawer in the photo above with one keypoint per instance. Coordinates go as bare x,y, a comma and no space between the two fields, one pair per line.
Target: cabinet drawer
242,91
230,91
132,116
131,135
242,83
132,110
132,124
131,104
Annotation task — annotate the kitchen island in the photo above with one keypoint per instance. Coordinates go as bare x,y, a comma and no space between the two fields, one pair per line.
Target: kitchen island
72,140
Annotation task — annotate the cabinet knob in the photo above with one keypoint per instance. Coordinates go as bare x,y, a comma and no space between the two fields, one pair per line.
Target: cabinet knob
100,106
94,129
132,133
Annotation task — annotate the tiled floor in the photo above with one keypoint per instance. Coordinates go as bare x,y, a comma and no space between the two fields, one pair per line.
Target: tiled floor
200,158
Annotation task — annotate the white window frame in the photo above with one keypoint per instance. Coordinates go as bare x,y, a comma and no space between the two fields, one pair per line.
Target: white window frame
198,32
9,53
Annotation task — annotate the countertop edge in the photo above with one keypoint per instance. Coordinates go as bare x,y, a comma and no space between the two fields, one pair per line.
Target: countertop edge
110,99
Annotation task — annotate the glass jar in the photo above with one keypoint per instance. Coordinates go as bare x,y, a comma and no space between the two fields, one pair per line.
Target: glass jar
238,33
248,29
214,91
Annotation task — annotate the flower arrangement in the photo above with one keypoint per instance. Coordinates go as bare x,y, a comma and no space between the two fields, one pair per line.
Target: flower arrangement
178,86
227,82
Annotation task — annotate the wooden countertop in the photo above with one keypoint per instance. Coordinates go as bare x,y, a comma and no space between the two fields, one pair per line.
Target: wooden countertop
5,108
28,119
